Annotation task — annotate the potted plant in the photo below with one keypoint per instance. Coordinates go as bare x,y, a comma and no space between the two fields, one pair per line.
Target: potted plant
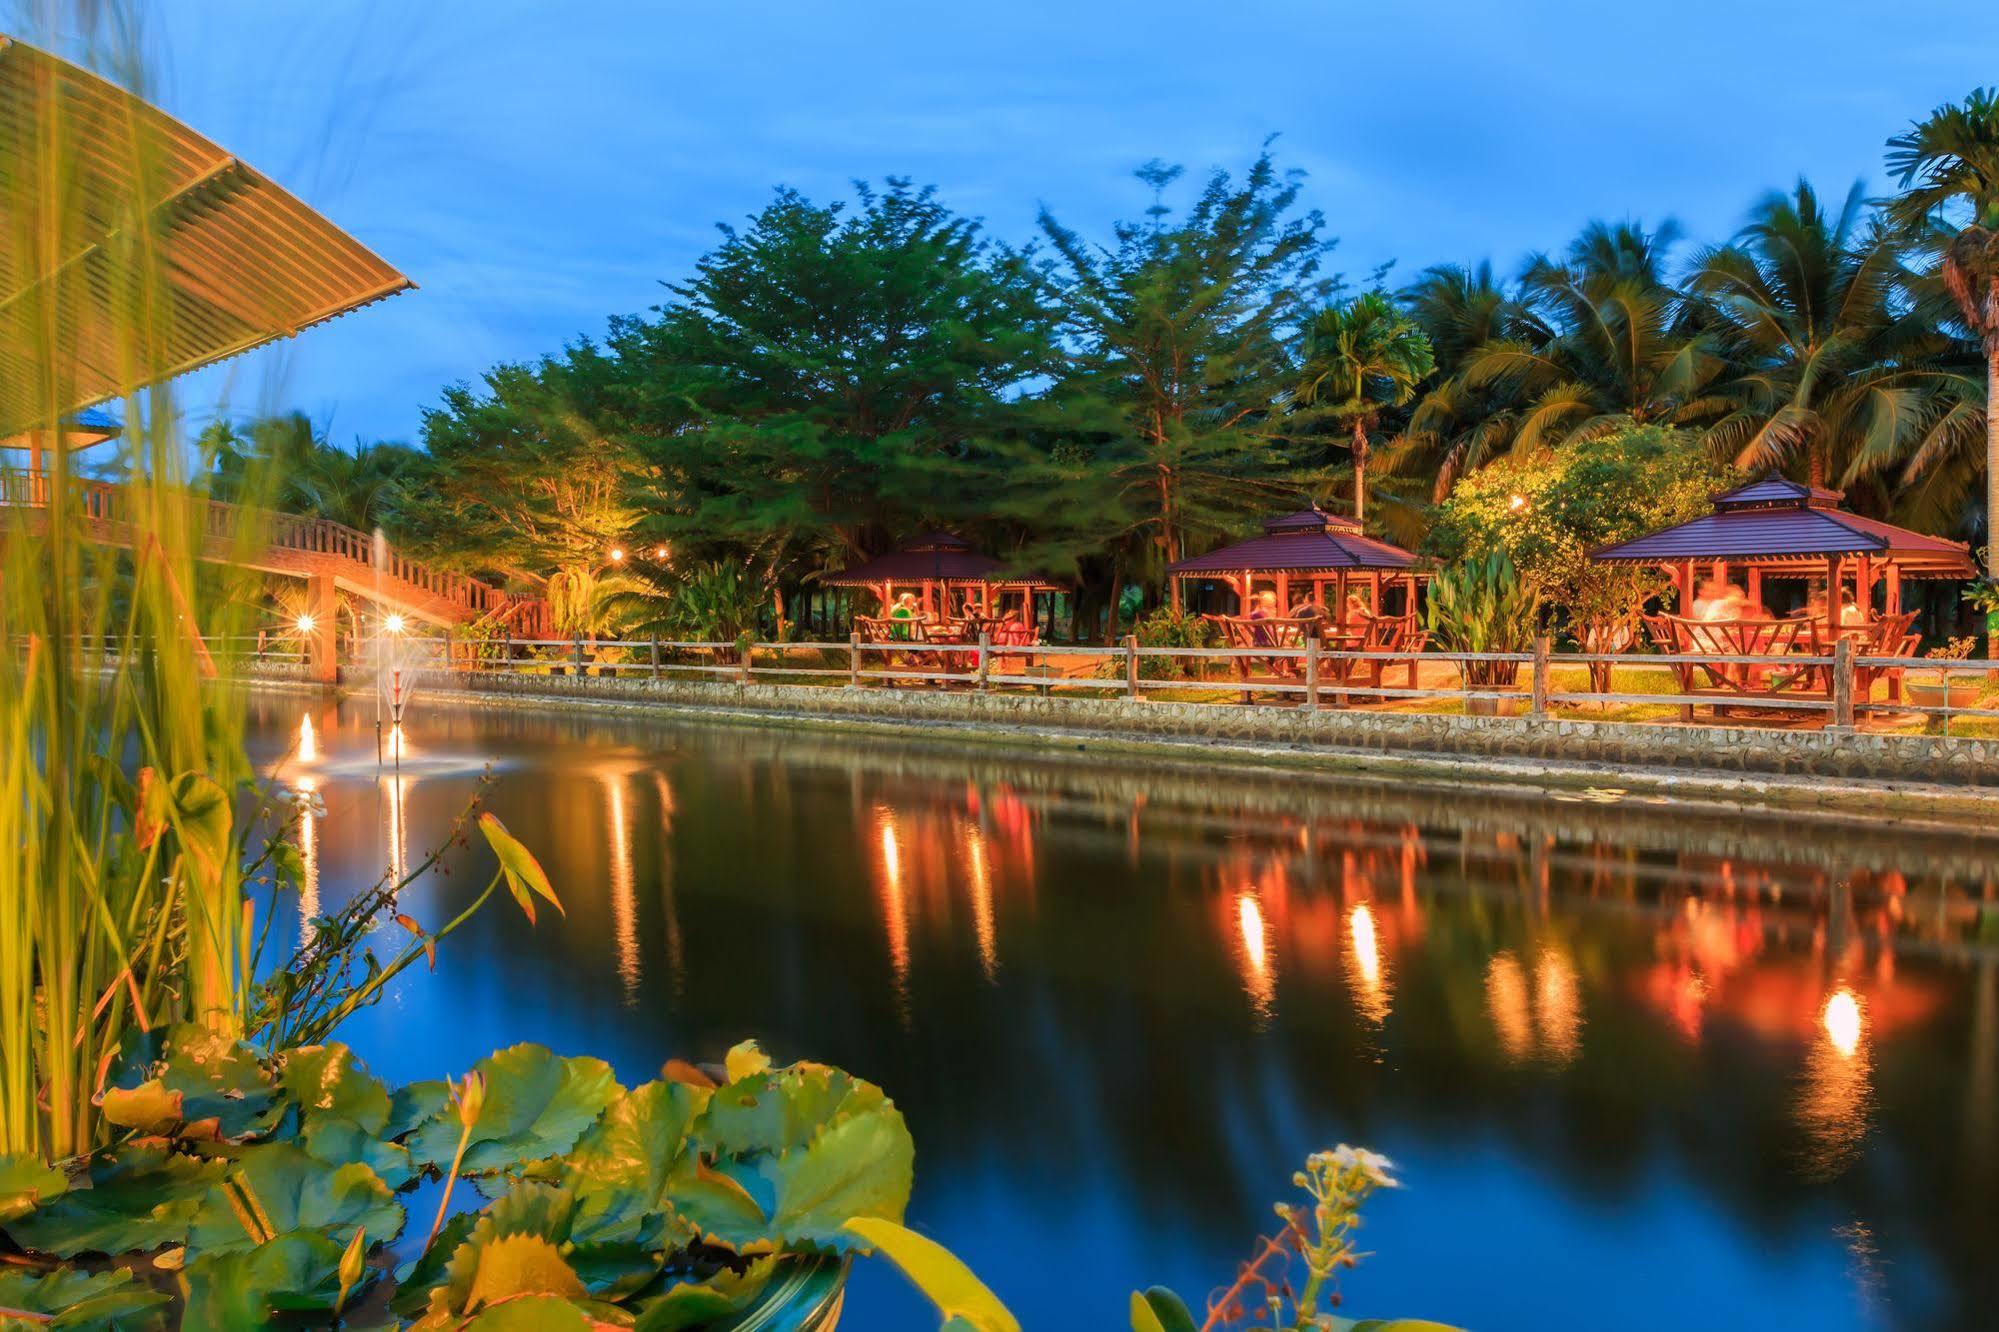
1484,606
1936,688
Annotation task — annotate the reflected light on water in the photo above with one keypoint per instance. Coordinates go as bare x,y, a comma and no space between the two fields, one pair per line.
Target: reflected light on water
675,950
395,785
1257,976
1506,1002
1557,1005
624,894
308,740
982,899
1371,992
895,908
308,855
1834,1099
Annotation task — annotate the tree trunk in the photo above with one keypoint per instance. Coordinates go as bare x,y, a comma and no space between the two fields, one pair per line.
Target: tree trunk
1359,470
1992,472
1815,465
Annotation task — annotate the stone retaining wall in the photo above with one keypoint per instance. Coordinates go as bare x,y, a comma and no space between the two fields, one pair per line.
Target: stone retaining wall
1738,751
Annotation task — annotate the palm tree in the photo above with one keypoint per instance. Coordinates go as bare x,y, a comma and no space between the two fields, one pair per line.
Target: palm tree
1361,357
1831,369
1948,168
1456,428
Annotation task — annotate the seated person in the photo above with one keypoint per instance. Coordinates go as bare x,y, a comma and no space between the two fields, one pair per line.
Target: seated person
1720,601
903,611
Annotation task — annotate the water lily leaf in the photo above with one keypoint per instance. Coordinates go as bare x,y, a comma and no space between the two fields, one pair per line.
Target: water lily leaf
701,1304
67,1298
537,1105
538,1212
863,1166
415,1105
339,1140
329,1080
538,1313
718,1207
221,1080
25,1182
276,1188
521,1265
745,1059
140,1199
776,1111
148,1107
258,1287
1160,1310
639,1139
935,1271
523,872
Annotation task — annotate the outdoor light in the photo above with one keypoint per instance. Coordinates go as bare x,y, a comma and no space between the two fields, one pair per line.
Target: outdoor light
659,552
305,624
617,554
1517,503
394,624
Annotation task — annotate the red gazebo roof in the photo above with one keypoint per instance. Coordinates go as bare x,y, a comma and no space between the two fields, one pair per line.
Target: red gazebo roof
934,557
1309,541
1774,522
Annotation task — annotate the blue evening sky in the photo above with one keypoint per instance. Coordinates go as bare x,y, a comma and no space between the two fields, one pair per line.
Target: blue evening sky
538,166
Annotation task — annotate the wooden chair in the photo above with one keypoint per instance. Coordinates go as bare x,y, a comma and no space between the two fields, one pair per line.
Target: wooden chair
1242,631
1744,683
1402,635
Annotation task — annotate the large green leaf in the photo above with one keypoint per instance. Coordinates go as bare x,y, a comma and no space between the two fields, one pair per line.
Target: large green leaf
700,1304
283,1188
226,1090
259,1286
523,872
863,1166
25,1183
329,1080
490,1260
537,1105
536,1313
1160,1310
142,1199
775,1110
67,1298
639,1139
935,1271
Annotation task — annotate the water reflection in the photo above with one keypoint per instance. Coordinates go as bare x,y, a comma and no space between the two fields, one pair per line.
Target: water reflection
1730,1031
308,850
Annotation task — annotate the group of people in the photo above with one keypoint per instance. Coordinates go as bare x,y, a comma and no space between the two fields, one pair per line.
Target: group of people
1720,600
1011,629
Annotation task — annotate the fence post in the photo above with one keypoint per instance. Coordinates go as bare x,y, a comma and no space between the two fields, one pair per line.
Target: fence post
579,654
1537,705
1131,665
1311,672
655,656
1842,685
506,648
853,661
744,677
985,657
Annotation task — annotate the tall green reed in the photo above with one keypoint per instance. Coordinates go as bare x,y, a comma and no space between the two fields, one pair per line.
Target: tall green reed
122,907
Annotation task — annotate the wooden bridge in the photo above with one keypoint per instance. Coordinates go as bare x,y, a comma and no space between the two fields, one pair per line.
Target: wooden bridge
331,557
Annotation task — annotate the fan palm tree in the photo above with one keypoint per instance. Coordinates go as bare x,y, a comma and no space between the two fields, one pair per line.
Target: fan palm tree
1456,428
1832,370
1948,169
1359,358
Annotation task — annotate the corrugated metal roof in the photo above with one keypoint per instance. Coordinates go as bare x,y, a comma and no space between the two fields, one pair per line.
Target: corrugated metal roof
240,262
936,557
1304,542
1788,522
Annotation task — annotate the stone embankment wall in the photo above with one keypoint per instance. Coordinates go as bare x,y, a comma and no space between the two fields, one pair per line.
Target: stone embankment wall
1522,744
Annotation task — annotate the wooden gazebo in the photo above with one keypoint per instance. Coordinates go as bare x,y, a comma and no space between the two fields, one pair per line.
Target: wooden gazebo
947,576
1778,528
1307,554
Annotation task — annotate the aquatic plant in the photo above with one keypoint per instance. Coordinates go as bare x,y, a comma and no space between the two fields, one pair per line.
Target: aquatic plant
1317,1233
251,1190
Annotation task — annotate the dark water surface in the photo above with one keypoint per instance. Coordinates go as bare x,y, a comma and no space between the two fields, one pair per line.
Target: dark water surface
1642,1065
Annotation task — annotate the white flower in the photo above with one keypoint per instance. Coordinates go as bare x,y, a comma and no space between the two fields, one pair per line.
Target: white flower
1373,1165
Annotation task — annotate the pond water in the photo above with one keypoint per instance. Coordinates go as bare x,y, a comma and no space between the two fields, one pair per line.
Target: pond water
1642,1065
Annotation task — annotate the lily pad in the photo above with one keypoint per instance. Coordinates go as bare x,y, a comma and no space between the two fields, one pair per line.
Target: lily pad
863,1166
25,1183
329,1080
698,1304
276,1188
537,1105
263,1285
142,1199
68,1298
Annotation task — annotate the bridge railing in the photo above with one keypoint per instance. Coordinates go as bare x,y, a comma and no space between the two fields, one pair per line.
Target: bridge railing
107,502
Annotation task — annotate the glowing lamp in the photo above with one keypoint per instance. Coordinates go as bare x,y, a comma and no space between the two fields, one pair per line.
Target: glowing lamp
305,623
394,624
1517,503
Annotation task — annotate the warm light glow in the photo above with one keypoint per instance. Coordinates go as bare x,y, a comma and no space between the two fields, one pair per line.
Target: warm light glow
895,909
659,552
624,895
394,624
308,855
617,554
308,743
305,624
1842,1021
1370,987
1506,1001
1558,1005
1255,935
1517,504
399,867
982,900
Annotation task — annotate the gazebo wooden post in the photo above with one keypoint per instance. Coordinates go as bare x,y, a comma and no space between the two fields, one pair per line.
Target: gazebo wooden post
1755,585
1686,581
1863,586
1832,590
1246,592
1894,588
1283,592
1340,600
1374,593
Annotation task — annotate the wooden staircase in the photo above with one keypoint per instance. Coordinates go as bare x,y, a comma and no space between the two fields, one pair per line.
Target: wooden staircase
308,548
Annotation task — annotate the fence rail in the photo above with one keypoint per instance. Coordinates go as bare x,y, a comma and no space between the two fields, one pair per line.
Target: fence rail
1847,690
